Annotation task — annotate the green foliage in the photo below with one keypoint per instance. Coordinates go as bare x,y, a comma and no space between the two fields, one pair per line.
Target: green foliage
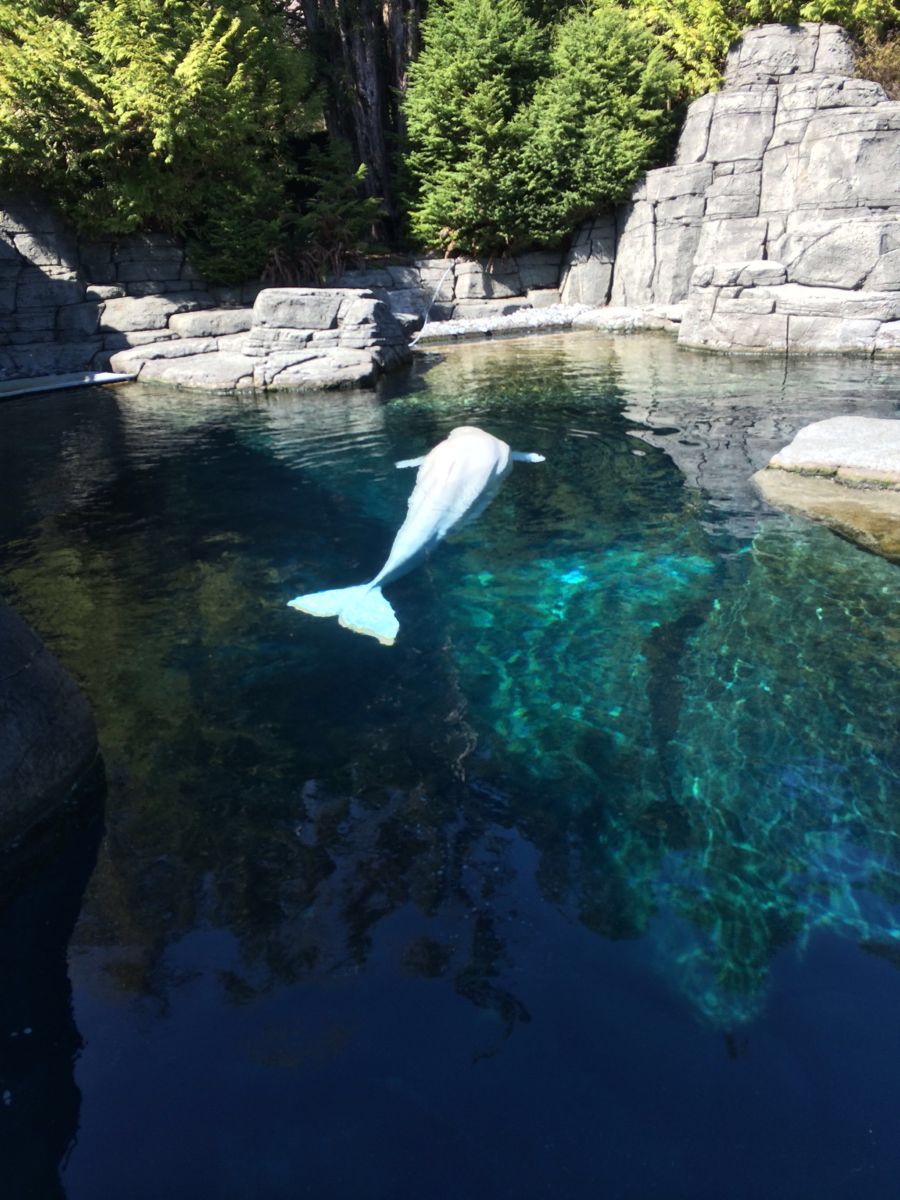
857,16
334,226
598,119
466,93
512,143
881,61
697,33
167,114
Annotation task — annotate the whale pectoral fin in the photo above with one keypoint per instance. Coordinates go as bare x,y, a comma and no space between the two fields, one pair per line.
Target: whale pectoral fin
410,462
521,456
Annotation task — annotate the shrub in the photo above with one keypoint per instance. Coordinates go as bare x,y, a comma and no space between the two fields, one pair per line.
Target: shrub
165,114
598,120
697,33
880,60
857,16
476,73
511,145
334,222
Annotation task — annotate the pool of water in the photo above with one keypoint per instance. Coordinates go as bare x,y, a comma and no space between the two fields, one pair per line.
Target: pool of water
590,885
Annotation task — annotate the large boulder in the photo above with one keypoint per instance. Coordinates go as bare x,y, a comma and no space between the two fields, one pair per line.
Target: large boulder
325,320
48,741
307,339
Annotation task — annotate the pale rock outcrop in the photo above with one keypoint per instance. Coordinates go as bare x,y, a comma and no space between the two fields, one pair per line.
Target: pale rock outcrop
854,450
844,472
298,338
324,319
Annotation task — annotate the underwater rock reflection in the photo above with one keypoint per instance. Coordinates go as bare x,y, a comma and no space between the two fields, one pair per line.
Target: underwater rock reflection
695,731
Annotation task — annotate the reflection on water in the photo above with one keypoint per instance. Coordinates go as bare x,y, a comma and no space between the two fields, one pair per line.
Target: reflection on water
39,1100
683,705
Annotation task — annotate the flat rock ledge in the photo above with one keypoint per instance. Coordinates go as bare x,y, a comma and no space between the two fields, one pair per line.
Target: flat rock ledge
306,339
845,473
510,320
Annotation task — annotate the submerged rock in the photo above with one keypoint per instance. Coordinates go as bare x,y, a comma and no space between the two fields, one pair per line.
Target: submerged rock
48,745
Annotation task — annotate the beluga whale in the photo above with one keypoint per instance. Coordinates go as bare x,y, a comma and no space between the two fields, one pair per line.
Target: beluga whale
456,481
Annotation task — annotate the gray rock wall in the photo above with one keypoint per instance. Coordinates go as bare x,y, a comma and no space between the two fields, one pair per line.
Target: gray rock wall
794,164
45,324
66,306
460,288
586,274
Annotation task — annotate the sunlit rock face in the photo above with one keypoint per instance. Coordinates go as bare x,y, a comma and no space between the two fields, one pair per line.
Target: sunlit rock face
307,339
796,164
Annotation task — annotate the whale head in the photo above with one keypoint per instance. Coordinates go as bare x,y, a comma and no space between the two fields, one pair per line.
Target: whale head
468,430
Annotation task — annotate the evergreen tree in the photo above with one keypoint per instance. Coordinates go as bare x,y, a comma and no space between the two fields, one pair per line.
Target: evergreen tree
511,145
467,91
600,117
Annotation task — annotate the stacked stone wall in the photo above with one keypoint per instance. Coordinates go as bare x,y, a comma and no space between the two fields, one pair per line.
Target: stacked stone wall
461,288
66,306
46,325
795,165
146,264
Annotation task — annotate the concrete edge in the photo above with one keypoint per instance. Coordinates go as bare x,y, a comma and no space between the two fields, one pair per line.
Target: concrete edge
56,383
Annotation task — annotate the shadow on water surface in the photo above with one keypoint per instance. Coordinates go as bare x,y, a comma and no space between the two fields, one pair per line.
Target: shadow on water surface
627,695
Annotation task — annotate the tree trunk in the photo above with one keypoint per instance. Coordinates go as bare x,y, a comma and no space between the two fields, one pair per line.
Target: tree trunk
363,49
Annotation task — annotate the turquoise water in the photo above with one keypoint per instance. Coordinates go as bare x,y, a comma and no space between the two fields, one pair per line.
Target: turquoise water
591,882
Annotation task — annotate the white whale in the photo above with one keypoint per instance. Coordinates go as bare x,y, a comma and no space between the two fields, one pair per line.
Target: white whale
456,482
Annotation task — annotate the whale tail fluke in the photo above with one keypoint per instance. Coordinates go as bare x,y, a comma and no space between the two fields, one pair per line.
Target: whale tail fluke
362,608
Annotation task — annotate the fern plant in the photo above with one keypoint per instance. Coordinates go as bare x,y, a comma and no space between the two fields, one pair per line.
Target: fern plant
165,114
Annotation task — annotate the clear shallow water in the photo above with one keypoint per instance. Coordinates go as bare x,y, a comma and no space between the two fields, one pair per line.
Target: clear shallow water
589,884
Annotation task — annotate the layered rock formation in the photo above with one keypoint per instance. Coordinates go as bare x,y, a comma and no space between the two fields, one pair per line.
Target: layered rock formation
778,227
66,305
298,338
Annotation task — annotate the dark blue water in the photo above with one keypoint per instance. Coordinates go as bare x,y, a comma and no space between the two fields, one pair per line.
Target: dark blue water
590,885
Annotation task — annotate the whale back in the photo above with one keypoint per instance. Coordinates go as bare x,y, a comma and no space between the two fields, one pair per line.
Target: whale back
458,480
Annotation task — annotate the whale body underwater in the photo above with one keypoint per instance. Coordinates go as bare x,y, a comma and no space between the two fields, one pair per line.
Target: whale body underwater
456,481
